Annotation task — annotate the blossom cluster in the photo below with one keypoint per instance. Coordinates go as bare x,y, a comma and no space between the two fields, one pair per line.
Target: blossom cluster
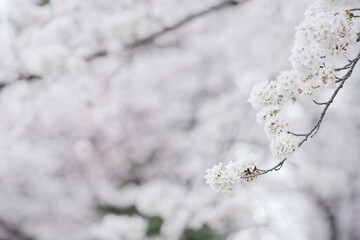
322,40
322,43
225,179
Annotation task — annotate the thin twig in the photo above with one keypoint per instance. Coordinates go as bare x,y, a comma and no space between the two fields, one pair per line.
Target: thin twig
297,134
259,172
318,103
347,66
339,80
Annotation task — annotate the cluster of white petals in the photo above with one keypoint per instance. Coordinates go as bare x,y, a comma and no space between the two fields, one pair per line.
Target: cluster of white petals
264,94
284,145
225,179
322,42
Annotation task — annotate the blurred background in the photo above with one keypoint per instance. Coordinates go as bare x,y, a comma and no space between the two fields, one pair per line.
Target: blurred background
111,112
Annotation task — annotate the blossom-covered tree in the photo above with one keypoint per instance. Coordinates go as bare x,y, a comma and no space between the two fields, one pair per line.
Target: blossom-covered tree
111,110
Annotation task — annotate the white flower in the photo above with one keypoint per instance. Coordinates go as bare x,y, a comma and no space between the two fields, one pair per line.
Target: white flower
284,145
267,113
327,77
321,38
225,180
274,127
264,94
306,88
287,81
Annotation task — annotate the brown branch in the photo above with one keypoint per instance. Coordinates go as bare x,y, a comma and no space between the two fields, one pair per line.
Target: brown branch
149,39
316,128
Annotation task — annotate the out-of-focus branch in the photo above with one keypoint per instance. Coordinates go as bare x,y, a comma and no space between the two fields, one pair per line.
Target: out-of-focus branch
325,206
316,128
101,53
150,38
182,22
2,85
22,77
29,77
331,218
14,232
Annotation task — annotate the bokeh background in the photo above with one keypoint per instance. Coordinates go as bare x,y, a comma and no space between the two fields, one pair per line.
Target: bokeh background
112,110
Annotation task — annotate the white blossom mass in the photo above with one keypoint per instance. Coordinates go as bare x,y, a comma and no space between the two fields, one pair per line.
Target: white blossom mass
111,112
